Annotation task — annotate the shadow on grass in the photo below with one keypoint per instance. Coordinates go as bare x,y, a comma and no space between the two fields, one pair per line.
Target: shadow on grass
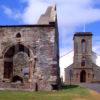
69,86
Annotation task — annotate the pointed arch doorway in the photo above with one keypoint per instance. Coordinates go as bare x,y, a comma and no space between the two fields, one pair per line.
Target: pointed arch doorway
9,61
83,76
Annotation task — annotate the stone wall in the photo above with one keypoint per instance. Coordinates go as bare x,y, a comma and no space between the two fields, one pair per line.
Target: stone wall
42,45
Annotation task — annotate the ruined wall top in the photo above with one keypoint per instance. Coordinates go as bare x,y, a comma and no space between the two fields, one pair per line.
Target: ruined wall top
49,16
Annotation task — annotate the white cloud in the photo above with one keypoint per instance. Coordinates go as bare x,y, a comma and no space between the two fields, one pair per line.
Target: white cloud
71,13
7,11
96,44
65,61
33,10
10,12
96,48
75,12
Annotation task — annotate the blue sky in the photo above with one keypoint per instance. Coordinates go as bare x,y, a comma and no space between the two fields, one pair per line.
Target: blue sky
72,15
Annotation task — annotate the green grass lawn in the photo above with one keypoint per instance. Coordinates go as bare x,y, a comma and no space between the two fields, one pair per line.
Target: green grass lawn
67,93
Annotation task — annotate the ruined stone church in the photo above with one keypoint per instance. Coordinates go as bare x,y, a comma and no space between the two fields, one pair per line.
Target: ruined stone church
84,68
29,55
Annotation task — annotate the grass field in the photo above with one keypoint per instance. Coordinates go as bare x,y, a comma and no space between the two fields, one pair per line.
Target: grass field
67,93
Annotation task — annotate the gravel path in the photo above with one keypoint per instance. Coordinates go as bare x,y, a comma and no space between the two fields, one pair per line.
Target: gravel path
92,86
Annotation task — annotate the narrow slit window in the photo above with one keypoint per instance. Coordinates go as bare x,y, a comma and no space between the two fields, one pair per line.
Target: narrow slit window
83,44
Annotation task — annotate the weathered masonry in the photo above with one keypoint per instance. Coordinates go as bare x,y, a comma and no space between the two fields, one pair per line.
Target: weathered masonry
29,55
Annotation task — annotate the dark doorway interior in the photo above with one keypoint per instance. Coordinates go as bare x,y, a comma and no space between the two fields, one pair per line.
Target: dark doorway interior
54,87
17,78
8,69
83,76
36,86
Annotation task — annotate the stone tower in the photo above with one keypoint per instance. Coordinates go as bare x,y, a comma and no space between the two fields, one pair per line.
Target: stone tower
82,66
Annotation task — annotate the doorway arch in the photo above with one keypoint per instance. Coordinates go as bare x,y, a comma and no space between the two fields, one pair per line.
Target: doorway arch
8,58
83,76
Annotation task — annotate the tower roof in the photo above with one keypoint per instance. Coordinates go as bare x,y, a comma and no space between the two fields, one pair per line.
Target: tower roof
83,34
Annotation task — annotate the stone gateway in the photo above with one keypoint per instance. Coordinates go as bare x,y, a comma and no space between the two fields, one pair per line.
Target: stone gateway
29,55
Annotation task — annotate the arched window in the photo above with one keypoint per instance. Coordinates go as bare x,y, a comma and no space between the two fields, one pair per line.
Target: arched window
83,63
83,46
18,35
